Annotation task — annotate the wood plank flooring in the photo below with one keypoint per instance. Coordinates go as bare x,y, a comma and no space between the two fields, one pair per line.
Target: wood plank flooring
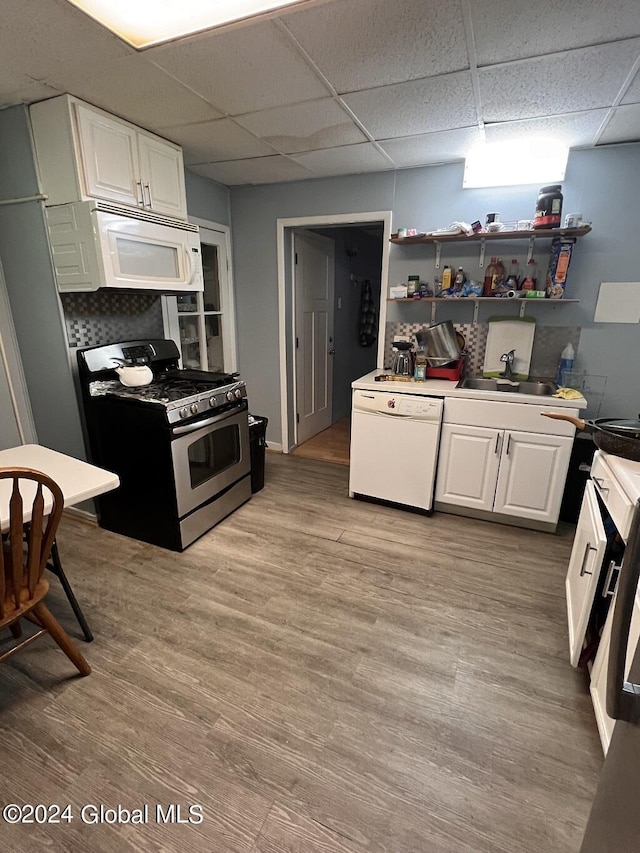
330,445
322,675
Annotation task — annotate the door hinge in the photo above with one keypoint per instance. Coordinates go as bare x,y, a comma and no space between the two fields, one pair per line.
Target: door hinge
297,418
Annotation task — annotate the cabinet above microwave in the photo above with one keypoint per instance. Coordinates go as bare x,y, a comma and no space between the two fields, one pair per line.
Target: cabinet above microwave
85,153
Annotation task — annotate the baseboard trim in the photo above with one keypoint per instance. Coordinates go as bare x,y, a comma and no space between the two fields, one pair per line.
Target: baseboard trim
274,445
81,515
496,517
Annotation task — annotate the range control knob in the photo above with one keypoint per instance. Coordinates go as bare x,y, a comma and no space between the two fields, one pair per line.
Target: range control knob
212,401
230,396
238,393
194,408
183,413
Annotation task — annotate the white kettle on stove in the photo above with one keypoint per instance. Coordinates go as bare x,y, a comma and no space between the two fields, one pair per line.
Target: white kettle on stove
133,375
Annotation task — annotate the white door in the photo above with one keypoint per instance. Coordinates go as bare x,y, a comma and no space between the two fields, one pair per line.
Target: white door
533,469
162,174
110,158
584,568
468,466
314,285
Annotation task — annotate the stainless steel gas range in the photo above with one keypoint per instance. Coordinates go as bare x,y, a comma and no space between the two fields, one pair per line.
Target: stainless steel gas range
180,445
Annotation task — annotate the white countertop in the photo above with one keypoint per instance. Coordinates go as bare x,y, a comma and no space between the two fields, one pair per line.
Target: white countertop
626,472
445,388
78,480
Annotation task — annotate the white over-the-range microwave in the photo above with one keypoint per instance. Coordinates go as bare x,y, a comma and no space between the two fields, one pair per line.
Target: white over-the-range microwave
96,244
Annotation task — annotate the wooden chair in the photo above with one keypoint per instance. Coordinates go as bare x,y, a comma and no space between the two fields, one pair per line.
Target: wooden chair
22,563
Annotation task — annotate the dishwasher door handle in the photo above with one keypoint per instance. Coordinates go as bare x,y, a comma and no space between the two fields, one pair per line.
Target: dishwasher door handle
623,697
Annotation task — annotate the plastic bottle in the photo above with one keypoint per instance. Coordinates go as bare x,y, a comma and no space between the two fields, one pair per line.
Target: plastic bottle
420,365
446,278
529,280
497,280
565,364
513,278
488,278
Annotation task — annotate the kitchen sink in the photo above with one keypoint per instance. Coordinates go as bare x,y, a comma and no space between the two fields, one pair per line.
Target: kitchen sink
539,388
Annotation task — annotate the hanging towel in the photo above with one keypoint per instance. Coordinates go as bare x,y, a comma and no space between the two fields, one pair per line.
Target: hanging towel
367,329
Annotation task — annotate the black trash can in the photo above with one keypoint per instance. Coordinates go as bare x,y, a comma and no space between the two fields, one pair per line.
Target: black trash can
258,443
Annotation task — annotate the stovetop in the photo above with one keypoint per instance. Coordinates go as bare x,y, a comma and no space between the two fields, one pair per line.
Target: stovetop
181,393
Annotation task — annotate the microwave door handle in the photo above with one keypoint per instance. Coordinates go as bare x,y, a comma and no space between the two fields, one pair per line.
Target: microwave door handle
623,697
191,268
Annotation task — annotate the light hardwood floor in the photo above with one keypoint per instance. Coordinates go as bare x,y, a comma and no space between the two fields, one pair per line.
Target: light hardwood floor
330,445
322,675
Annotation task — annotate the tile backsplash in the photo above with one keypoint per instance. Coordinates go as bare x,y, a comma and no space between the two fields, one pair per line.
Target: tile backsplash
104,317
548,343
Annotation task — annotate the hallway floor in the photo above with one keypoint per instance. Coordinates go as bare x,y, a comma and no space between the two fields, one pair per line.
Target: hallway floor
330,445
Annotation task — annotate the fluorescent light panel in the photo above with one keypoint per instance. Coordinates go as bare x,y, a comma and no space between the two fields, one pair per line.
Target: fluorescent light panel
502,164
143,23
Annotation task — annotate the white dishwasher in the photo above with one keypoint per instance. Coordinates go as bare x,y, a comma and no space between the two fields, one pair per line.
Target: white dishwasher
394,447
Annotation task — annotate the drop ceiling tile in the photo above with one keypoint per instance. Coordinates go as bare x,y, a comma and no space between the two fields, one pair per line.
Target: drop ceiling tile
262,170
632,95
576,129
212,141
241,70
304,127
140,92
28,93
505,30
421,106
345,160
577,80
48,37
428,148
624,126
359,44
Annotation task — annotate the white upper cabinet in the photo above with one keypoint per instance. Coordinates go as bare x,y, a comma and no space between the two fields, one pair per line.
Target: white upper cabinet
85,153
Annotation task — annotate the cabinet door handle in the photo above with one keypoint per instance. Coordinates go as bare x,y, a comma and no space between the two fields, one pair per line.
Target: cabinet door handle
583,570
508,444
623,697
498,437
610,580
139,193
600,483
148,202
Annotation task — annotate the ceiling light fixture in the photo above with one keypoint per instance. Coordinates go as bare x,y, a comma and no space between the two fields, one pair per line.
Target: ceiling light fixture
143,23
502,164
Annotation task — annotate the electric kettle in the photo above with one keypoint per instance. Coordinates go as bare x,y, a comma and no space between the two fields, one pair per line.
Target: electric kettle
402,358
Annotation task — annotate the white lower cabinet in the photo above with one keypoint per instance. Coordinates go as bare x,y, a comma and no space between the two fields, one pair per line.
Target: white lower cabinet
468,466
598,686
509,472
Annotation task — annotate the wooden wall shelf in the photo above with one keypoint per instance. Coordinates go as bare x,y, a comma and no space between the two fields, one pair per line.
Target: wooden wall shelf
475,300
493,235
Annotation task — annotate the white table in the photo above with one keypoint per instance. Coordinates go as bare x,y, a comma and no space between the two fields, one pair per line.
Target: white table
79,481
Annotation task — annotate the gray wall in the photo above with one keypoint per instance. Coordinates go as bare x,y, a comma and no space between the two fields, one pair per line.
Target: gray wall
603,184
33,296
207,199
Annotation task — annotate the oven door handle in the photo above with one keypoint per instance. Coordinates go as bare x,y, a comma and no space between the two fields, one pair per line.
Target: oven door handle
623,697
187,428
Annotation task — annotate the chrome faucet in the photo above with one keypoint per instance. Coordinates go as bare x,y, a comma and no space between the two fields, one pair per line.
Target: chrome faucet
508,358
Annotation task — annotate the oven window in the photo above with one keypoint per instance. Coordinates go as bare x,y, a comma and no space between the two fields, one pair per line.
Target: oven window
214,453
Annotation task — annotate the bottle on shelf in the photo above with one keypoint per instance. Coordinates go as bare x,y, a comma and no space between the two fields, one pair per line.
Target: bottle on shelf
513,279
460,279
530,278
413,285
499,275
488,278
447,278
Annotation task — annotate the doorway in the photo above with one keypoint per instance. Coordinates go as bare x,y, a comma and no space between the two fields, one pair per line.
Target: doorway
322,349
